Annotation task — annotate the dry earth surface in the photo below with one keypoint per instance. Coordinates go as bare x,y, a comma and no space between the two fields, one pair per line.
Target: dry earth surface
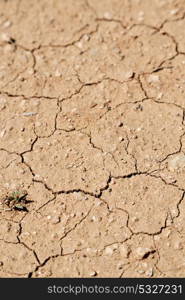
92,108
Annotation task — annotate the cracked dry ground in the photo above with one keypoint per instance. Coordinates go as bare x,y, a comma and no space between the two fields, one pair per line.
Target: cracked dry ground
92,107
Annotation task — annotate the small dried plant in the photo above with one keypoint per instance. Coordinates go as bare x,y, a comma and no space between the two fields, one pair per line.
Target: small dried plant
15,201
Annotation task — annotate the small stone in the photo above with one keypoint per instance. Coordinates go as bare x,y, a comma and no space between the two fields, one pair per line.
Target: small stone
2,133
120,139
168,232
124,251
5,37
92,251
86,37
120,266
153,78
178,245
120,124
58,73
140,16
55,220
149,272
7,24
159,96
93,273
141,252
27,114
107,15
115,246
108,251
140,271
79,45
174,11
176,162
129,74
94,218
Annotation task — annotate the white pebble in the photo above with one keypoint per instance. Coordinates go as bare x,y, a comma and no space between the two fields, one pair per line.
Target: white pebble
124,251
176,162
149,272
108,251
140,252
93,273
107,15
5,37
7,24
153,78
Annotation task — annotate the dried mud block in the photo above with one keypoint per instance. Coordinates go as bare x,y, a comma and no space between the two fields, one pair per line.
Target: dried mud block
9,231
155,13
175,29
170,245
43,231
154,132
39,236
48,28
167,85
172,170
88,106
110,134
27,84
151,13
120,57
21,120
148,200
14,61
99,229
14,174
70,162
16,259
127,133
81,266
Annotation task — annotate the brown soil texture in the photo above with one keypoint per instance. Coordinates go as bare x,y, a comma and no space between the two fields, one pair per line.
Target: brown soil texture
92,107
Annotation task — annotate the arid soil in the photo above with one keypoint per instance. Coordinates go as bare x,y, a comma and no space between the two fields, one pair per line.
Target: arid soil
92,107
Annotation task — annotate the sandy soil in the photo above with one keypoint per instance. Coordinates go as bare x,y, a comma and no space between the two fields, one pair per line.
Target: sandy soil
92,106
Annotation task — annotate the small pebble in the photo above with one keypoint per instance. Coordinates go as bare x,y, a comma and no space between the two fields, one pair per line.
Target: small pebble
108,251
129,74
178,245
93,273
140,271
176,162
55,220
174,11
107,15
5,37
140,252
149,272
7,24
28,114
153,78
124,251
121,139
